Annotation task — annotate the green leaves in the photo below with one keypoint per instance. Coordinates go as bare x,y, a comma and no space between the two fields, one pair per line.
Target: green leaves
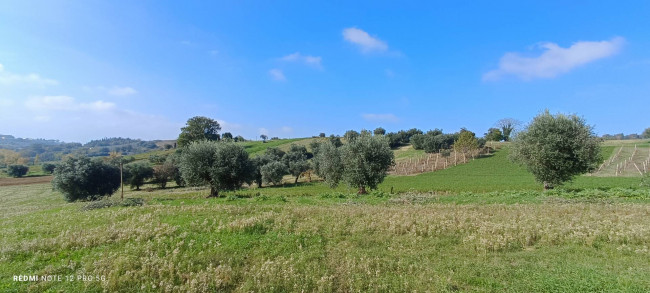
556,148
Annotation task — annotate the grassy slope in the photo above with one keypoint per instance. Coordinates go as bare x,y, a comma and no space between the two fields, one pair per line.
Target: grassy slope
183,242
494,173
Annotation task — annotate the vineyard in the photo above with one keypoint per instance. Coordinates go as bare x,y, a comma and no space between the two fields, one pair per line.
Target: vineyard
626,161
418,163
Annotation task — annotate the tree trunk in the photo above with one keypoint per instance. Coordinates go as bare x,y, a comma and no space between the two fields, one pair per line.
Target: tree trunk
259,184
296,182
362,190
547,186
214,192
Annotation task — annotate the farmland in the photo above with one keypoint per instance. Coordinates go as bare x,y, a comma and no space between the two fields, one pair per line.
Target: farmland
481,226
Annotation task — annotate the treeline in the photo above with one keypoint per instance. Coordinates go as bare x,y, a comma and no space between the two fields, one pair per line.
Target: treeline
362,162
40,150
621,136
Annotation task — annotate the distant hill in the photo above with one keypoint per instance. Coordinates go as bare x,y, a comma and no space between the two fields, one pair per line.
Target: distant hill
53,150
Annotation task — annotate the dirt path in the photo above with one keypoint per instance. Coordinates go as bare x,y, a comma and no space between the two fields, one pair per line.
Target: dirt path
25,180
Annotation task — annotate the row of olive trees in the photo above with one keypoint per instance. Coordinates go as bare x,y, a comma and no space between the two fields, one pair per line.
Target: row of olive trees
362,162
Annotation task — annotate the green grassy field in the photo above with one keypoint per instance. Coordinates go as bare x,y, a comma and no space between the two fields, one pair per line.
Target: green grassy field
181,242
484,226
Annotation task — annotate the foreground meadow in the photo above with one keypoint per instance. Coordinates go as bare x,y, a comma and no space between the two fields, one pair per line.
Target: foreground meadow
178,241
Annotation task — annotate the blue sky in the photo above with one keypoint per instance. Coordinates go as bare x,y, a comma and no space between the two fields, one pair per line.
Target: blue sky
81,70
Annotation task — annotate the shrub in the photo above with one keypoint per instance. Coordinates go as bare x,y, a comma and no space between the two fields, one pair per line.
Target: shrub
85,179
273,172
17,171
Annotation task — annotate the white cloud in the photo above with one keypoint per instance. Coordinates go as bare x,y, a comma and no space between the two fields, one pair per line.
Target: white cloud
554,59
277,74
122,91
314,61
65,103
287,129
380,117
229,127
263,131
363,40
8,78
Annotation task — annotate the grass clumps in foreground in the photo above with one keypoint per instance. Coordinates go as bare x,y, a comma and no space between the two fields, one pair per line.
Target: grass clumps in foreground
127,202
518,241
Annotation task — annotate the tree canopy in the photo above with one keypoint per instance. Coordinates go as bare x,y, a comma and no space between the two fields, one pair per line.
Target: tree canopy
222,166
85,179
556,148
199,128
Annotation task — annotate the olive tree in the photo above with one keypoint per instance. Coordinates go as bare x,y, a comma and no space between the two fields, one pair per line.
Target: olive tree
350,135
17,171
164,173
556,148
296,160
366,161
222,166
327,163
379,131
136,173
85,179
273,172
48,167
199,128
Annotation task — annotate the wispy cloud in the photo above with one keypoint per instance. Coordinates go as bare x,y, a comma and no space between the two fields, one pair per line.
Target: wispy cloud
32,79
314,61
554,60
65,103
277,74
263,131
380,117
229,127
364,41
287,129
122,91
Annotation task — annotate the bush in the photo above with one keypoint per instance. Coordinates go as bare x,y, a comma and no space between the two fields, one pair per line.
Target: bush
85,179
17,171
48,167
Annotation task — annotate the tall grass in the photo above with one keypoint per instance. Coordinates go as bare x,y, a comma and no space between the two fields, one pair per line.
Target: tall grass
415,242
